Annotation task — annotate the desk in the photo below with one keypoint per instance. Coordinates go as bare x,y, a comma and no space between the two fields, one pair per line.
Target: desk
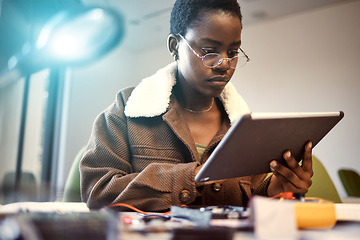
343,230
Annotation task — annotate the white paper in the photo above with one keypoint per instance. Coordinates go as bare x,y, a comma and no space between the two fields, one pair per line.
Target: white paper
274,219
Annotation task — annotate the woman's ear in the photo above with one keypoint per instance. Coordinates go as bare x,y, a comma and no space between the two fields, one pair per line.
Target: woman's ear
173,44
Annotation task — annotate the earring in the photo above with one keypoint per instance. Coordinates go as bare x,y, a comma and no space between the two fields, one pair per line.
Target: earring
174,56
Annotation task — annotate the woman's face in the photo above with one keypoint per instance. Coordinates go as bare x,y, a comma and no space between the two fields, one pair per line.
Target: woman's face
217,32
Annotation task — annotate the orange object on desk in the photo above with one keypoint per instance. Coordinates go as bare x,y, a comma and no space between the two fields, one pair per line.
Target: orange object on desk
312,213
315,213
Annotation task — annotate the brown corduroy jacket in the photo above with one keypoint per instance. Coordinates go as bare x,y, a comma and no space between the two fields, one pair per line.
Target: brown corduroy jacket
141,152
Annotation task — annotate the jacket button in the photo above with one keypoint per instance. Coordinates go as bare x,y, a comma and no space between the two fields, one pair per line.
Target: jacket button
184,196
217,187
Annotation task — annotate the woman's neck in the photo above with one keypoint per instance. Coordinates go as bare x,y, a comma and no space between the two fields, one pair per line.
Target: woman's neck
192,101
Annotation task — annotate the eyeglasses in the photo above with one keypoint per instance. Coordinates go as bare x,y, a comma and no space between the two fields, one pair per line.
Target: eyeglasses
212,60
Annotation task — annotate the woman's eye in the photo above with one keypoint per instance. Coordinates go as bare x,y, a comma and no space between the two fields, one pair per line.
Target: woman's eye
233,53
208,50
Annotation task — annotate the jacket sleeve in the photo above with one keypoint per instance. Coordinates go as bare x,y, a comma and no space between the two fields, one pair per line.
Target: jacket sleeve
260,184
107,176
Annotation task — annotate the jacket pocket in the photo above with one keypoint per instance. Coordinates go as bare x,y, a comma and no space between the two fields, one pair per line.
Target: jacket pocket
145,155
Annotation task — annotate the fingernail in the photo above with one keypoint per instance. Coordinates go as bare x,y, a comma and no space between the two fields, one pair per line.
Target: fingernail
273,165
287,154
310,145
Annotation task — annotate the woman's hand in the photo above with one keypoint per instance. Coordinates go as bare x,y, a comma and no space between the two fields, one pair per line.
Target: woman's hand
296,178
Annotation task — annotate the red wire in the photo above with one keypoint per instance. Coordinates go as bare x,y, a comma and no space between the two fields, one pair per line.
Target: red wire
136,209
284,195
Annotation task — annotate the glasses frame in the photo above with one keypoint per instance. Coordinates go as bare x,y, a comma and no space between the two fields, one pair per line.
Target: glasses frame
222,58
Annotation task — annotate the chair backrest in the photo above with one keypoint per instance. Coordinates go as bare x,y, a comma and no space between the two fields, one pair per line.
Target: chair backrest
72,185
351,182
322,186
27,187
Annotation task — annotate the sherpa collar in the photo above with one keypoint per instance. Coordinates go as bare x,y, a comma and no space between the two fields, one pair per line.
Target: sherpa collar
152,96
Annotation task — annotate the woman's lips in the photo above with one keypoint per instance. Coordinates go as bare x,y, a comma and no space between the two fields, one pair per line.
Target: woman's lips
219,81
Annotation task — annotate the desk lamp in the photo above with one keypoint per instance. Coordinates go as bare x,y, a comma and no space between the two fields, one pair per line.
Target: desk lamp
71,38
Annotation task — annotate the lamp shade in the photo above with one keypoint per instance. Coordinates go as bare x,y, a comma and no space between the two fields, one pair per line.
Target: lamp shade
74,37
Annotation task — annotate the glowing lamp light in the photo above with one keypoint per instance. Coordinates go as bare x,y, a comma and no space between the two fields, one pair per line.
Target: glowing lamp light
73,37
66,46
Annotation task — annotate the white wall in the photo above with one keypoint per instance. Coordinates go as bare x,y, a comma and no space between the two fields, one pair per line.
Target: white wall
305,62
309,62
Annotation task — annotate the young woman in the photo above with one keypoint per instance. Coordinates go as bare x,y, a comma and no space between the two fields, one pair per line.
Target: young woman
147,147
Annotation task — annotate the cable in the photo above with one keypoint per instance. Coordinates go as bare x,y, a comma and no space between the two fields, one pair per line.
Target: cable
136,209
284,195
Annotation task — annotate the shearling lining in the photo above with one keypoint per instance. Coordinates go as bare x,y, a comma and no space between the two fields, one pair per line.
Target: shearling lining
152,96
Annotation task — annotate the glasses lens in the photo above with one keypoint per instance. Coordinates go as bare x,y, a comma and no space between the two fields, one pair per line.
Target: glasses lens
212,60
233,62
242,60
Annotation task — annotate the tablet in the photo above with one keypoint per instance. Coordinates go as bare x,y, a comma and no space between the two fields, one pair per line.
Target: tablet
258,138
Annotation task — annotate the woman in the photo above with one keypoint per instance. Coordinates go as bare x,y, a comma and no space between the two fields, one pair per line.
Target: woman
147,147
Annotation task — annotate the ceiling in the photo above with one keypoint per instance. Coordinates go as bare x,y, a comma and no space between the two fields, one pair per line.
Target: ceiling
147,21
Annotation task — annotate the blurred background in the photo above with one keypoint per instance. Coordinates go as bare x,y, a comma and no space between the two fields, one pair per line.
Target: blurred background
305,56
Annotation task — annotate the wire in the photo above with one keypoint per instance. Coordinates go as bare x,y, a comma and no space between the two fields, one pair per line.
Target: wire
136,209
284,195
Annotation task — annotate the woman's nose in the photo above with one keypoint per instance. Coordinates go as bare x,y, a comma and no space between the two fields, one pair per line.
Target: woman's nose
224,64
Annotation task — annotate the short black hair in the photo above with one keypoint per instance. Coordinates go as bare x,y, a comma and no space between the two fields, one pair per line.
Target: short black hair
185,12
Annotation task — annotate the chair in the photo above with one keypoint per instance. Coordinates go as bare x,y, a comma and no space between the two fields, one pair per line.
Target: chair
351,182
27,187
72,185
322,186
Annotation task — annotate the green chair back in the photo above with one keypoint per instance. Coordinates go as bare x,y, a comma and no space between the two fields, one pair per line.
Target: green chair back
72,185
351,182
322,186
